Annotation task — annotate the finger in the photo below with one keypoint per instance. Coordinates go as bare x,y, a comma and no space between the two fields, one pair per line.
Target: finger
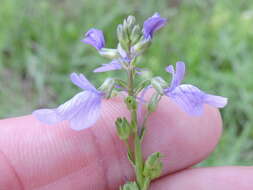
56,157
218,178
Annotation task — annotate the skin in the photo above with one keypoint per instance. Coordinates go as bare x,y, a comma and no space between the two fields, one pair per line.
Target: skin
41,157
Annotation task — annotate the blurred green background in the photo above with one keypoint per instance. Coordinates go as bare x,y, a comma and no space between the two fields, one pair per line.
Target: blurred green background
40,46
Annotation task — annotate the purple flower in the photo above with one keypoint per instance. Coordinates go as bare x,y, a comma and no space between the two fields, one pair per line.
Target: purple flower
82,111
152,24
188,97
95,38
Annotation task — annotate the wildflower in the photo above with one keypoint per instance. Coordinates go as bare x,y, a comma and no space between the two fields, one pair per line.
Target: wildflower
82,111
188,97
152,24
95,38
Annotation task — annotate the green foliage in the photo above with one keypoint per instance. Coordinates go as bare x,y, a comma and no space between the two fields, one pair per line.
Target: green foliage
40,46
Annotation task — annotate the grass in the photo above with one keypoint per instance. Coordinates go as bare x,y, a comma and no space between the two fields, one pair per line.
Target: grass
40,45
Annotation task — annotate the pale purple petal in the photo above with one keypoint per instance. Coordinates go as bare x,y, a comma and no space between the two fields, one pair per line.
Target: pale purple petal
178,75
189,98
82,111
152,24
95,38
216,101
81,81
47,116
114,65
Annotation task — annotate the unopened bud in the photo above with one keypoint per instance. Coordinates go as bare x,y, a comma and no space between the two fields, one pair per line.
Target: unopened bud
135,34
125,26
122,37
107,87
123,128
109,53
141,46
130,186
159,84
131,103
153,166
130,21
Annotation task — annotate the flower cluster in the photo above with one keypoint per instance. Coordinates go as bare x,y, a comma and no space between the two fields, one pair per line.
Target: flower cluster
83,110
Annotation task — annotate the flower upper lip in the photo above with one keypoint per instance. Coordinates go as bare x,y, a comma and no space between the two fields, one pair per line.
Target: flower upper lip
95,38
152,24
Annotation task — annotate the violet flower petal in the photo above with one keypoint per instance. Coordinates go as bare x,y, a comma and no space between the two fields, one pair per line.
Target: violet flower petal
81,81
95,38
82,111
114,65
152,24
47,116
178,75
191,99
216,101
188,97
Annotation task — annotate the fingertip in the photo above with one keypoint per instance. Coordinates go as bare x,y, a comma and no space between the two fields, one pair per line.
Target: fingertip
184,139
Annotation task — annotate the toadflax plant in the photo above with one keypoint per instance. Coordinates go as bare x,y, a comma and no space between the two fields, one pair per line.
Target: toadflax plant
83,110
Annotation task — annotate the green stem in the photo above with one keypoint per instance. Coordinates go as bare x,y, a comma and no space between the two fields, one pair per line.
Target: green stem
137,142
130,81
138,160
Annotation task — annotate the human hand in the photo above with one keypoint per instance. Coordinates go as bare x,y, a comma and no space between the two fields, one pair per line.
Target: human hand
36,156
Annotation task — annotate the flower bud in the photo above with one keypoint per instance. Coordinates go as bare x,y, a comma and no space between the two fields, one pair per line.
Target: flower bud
141,46
135,34
153,166
130,22
131,103
107,87
153,102
123,128
109,53
125,26
159,84
122,37
130,186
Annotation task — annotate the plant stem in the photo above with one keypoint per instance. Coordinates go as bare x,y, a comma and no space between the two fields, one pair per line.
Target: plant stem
138,159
